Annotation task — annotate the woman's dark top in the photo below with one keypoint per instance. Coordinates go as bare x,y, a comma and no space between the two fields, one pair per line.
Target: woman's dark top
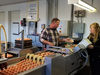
95,52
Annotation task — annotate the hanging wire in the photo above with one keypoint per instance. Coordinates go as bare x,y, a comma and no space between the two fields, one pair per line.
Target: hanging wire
56,8
81,19
78,19
92,3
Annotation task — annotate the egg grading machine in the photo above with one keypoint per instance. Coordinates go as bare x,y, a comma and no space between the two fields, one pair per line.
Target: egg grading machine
63,65
39,70
74,59
56,63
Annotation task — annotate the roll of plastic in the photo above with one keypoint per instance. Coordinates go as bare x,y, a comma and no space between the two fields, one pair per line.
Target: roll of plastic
35,58
39,59
31,57
28,56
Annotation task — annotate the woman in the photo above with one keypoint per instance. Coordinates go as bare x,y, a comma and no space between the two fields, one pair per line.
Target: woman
94,48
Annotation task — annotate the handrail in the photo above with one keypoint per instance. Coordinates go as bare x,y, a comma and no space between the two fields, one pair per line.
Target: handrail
1,26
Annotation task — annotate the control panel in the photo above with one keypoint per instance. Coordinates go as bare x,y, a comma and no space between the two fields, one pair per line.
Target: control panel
79,13
76,13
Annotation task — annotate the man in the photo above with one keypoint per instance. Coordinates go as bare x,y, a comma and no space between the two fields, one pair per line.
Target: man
50,35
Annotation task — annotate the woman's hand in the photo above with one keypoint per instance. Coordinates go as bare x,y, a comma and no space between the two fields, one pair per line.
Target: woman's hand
90,46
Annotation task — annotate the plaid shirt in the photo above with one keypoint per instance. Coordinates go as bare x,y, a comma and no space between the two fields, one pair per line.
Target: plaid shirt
50,35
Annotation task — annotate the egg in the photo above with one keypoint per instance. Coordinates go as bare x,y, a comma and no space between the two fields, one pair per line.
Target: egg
39,54
28,68
42,55
32,66
63,54
15,73
26,59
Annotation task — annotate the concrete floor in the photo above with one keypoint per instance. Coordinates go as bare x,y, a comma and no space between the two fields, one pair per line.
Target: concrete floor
85,71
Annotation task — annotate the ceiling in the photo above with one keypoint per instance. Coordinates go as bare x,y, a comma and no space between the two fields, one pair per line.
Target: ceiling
8,2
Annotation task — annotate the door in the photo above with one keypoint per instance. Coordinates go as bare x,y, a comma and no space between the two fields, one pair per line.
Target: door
15,24
2,21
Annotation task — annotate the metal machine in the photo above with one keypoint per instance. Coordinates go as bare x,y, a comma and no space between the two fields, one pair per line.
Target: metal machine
54,60
69,64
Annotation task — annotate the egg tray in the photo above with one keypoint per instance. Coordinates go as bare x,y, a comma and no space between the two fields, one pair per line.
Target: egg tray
16,46
25,41
39,70
25,44
55,52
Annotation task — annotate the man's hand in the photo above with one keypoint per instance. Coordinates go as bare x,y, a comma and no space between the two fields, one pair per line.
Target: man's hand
90,46
68,40
48,43
51,44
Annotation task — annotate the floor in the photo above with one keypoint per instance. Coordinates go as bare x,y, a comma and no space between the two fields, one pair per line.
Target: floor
85,71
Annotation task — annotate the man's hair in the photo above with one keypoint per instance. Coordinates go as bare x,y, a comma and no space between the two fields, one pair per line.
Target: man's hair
55,20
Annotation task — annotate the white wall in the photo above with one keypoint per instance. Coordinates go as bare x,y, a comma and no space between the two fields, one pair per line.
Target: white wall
22,7
64,10
64,13
91,17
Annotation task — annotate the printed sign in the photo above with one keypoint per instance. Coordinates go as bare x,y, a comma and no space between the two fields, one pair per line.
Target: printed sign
32,11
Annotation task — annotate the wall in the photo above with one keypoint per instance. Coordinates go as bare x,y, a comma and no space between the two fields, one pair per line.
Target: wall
64,13
64,10
91,17
23,14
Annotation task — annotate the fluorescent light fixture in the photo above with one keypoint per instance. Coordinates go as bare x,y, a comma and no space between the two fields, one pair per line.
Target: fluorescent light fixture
83,5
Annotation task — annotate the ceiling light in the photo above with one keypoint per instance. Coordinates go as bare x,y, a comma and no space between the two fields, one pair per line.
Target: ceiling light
83,5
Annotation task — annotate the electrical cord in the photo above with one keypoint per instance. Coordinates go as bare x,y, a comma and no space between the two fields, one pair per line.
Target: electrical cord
81,19
77,19
92,2
84,57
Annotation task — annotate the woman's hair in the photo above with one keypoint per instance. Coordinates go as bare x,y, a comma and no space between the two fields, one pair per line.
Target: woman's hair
97,31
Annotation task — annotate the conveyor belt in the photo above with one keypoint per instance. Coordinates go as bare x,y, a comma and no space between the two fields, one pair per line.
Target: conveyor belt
14,50
3,60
